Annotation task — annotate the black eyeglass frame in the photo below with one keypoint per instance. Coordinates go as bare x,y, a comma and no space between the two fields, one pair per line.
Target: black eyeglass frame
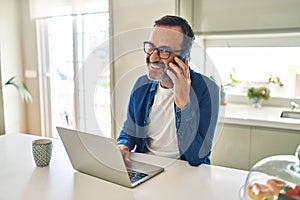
159,49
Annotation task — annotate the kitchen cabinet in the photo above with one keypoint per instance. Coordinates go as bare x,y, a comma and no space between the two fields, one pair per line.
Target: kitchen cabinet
267,142
241,146
225,16
232,147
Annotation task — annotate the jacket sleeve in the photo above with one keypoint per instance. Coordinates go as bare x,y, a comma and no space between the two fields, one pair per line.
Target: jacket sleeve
127,134
133,133
197,123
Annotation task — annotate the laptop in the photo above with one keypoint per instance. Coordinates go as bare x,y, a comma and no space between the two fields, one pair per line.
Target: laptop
100,157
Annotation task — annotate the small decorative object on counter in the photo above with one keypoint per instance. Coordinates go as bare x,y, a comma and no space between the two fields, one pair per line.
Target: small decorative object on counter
42,151
273,178
256,95
223,96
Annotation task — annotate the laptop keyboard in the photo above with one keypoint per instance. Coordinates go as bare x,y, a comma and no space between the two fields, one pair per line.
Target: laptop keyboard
135,175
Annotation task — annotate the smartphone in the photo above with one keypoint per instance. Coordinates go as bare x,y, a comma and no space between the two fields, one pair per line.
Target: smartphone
181,58
173,71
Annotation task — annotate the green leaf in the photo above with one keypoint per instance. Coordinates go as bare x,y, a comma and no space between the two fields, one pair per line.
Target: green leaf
22,89
10,81
232,79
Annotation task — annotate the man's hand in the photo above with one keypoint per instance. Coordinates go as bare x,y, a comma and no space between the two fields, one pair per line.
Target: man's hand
182,82
125,153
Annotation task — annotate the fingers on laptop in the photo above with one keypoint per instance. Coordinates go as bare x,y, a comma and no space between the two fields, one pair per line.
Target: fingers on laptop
125,153
126,157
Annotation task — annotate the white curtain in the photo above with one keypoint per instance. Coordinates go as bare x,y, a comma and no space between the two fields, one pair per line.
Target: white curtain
51,8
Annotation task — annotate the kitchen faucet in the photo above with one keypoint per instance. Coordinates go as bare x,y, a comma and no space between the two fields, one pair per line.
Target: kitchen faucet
293,105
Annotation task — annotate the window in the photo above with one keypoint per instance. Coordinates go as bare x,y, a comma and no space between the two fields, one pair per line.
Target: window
255,65
255,59
66,43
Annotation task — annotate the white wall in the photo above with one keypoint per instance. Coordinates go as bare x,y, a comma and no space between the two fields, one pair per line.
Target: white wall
30,60
131,24
2,125
12,65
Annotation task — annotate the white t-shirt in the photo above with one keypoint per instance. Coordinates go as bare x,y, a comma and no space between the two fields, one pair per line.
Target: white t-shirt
162,138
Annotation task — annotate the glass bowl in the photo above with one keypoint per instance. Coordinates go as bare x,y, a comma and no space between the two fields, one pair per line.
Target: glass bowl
274,178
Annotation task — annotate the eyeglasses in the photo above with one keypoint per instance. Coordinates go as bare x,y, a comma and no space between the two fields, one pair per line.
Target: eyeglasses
163,52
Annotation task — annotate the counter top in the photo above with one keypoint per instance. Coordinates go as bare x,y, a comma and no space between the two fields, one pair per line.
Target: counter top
21,179
266,116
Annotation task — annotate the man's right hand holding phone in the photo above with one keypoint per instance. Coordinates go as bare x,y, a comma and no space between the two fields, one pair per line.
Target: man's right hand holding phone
181,81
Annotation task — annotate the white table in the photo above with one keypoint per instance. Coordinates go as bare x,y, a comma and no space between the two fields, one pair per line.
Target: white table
21,179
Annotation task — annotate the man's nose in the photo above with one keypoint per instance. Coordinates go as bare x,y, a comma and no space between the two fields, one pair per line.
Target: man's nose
154,57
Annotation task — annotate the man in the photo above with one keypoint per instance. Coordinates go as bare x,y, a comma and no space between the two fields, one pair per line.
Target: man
172,110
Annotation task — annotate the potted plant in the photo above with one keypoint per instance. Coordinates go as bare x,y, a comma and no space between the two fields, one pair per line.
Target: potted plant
24,93
226,86
257,95
275,80
21,87
276,86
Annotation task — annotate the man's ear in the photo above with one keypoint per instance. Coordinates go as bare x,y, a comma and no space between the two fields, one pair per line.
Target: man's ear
186,53
189,55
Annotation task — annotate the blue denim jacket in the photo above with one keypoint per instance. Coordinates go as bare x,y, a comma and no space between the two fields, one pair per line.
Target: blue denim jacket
195,124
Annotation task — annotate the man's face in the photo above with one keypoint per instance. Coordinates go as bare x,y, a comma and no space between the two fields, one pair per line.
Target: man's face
169,37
